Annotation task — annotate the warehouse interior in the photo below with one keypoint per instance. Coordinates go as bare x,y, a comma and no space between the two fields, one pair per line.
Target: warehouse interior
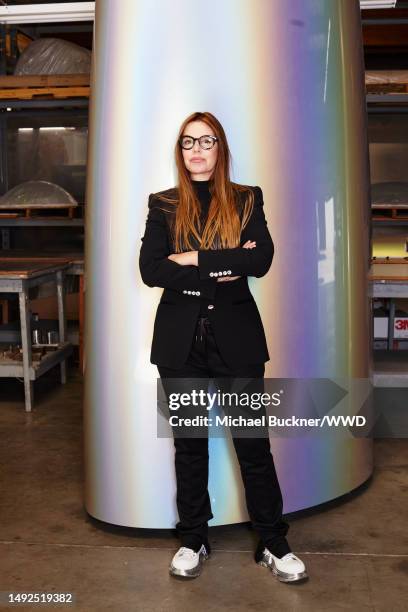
49,543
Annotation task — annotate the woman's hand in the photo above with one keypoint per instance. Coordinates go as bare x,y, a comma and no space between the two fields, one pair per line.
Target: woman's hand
223,279
189,258
250,244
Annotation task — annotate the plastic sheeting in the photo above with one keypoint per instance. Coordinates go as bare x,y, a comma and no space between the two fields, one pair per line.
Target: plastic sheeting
53,56
37,194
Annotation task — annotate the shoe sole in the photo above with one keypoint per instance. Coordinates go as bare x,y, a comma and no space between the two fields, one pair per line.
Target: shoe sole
191,573
283,576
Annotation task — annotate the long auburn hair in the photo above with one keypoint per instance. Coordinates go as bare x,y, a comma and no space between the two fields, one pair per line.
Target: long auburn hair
224,225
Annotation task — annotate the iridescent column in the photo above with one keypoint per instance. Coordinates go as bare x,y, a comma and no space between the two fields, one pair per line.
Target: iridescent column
286,80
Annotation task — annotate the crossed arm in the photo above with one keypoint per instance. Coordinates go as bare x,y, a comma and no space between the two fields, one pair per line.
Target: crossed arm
199,271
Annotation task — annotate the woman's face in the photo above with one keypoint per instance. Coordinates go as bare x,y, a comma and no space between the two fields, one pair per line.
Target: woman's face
200,162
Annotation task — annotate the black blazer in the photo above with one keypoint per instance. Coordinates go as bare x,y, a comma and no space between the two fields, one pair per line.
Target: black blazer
231,308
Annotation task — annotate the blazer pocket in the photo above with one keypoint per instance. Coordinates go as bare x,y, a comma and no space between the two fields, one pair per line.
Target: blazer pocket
166,303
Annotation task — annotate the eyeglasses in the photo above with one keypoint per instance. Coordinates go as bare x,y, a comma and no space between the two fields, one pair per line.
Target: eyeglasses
205,142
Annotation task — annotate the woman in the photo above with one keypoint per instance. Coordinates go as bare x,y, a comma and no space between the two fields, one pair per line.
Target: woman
202,241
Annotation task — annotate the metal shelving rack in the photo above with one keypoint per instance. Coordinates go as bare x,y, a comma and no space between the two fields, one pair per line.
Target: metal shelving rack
390,367
37,108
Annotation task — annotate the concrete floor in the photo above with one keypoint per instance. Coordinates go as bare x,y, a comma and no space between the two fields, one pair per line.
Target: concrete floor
356,552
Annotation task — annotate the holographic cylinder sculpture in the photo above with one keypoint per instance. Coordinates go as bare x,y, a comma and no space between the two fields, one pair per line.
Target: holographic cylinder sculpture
286,80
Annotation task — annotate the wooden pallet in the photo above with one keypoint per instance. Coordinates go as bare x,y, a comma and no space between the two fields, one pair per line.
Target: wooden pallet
386,81
27,212
44,86
386,88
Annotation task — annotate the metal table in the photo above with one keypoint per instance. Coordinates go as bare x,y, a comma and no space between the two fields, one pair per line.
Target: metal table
18,275
389,279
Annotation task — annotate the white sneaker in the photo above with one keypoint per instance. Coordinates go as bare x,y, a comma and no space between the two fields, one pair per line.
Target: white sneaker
288,569
187,563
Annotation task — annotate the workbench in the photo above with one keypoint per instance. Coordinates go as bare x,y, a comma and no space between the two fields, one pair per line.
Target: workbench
18,275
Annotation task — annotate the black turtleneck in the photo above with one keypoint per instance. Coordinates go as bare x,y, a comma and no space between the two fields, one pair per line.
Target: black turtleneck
202,189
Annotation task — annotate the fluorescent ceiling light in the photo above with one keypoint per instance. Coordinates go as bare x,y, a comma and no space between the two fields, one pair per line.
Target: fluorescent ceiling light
48,13
85,11
377,4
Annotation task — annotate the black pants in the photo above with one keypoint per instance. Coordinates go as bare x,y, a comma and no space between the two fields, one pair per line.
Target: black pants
262,491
